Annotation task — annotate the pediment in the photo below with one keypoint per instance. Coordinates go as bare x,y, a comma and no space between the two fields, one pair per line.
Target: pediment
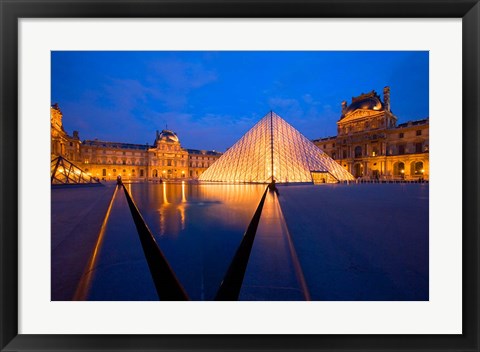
359,114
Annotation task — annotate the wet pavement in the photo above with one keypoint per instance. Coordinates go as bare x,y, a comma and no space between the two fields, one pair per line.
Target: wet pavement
325,242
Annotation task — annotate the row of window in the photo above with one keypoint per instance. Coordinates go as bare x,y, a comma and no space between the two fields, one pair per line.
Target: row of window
400,135
401,150
113,152
124,172
169,147
199,164
416,169
417,133
196,158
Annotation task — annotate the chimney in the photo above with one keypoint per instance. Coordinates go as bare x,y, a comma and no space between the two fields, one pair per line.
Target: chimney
386,98
344,107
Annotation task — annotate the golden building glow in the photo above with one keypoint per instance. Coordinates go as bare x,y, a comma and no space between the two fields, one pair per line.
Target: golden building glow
164,159
371,145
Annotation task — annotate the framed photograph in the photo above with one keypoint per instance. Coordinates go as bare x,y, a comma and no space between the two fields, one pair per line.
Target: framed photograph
248,175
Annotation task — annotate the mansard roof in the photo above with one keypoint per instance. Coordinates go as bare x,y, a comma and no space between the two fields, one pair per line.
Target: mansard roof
115,145
365,101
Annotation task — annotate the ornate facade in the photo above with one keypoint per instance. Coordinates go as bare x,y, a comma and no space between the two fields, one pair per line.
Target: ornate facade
61,143
371,145
164,159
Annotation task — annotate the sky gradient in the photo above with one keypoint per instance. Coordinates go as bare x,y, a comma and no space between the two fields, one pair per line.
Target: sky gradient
210,99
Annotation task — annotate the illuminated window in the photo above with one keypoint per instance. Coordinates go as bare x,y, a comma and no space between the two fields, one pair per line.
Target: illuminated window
399,169
358,152
418,147
417,168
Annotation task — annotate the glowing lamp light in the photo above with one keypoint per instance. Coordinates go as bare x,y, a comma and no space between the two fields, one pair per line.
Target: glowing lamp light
402,171
422,171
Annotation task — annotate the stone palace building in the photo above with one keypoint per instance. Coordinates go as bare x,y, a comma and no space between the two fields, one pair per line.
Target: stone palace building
164,159
370,143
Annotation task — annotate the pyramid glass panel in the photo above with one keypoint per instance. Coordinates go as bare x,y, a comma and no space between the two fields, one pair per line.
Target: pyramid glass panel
63,172
273,149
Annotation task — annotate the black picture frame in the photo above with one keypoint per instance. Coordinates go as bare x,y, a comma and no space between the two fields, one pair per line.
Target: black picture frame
11,11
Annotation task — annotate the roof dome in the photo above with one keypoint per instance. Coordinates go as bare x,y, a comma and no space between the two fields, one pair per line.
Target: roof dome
369,101
168,136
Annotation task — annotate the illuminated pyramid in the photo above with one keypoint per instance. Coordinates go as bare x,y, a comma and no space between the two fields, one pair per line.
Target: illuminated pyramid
274,149
63,172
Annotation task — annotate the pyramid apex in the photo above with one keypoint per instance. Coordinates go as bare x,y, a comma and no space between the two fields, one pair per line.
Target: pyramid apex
273,150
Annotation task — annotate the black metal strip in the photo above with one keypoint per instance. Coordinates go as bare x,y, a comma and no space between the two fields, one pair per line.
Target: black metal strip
232,282
167,285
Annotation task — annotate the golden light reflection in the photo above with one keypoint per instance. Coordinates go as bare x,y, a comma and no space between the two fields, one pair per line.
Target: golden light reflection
181,209
184,199
165,200
86,281
163,217
230,204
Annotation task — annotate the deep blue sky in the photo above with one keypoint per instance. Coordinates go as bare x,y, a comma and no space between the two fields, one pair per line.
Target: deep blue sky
212,98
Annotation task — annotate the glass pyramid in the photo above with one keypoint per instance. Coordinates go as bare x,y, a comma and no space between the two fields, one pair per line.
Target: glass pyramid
273,149
64,172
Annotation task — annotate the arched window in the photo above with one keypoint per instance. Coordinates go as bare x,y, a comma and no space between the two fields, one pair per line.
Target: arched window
358,152
104,172
358,170
418,168
399,169
155,173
